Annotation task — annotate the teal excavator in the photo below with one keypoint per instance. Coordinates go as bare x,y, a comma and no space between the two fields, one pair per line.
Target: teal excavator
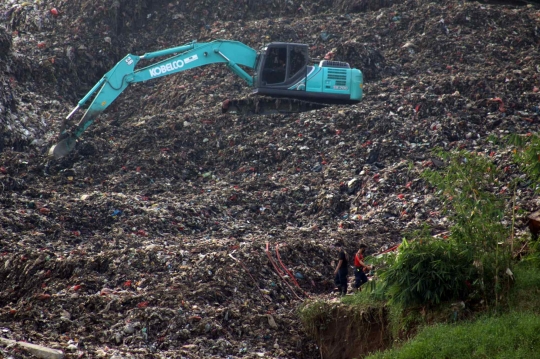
284,80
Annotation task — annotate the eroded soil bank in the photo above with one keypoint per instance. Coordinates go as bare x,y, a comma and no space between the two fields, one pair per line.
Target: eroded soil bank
344,331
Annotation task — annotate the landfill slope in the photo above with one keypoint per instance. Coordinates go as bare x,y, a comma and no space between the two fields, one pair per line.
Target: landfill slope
153,238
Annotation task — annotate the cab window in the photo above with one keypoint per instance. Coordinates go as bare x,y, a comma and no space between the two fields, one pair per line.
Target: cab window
298,60
274,70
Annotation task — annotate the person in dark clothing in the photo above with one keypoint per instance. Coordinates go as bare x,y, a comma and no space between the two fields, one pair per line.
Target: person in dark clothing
360,268
342,270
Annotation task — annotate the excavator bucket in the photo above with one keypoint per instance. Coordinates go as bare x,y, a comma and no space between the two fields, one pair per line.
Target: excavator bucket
63,147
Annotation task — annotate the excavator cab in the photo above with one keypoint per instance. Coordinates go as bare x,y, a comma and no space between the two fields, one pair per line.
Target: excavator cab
284,69
279,66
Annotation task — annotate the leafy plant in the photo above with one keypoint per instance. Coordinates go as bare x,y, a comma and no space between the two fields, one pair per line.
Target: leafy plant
471,262
475,202
527,155
427,271
533,256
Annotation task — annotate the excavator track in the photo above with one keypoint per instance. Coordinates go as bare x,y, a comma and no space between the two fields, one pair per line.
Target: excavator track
263,105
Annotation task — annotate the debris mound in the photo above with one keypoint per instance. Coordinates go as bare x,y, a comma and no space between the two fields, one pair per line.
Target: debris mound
173,230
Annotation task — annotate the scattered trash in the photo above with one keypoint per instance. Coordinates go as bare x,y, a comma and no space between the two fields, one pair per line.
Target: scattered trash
160,232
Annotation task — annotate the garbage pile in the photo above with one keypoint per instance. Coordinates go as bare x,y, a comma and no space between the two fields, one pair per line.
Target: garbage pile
175,231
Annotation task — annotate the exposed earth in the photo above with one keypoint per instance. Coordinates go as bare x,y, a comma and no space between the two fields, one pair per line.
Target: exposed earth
153,238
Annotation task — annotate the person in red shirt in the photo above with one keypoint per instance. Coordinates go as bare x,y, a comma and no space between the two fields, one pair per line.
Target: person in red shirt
360,268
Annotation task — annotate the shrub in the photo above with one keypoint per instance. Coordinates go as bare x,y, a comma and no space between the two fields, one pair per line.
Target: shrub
527,158
475,201
472,261
527,155
427,271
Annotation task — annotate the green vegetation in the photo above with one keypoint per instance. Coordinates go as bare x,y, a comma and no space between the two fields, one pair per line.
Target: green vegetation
469,188
471,262
362,300
527,158
525,294
427,271
527,155
512,335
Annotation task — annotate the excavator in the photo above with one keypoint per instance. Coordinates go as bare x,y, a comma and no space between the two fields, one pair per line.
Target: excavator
284,80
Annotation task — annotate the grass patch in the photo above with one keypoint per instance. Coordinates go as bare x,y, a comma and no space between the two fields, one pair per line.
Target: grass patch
363,299
525,295
513,335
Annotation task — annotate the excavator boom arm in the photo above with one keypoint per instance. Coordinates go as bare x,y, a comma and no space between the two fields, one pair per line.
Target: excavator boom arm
233,53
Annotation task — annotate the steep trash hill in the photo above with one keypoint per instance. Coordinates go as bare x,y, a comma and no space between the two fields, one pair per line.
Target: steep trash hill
153,238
